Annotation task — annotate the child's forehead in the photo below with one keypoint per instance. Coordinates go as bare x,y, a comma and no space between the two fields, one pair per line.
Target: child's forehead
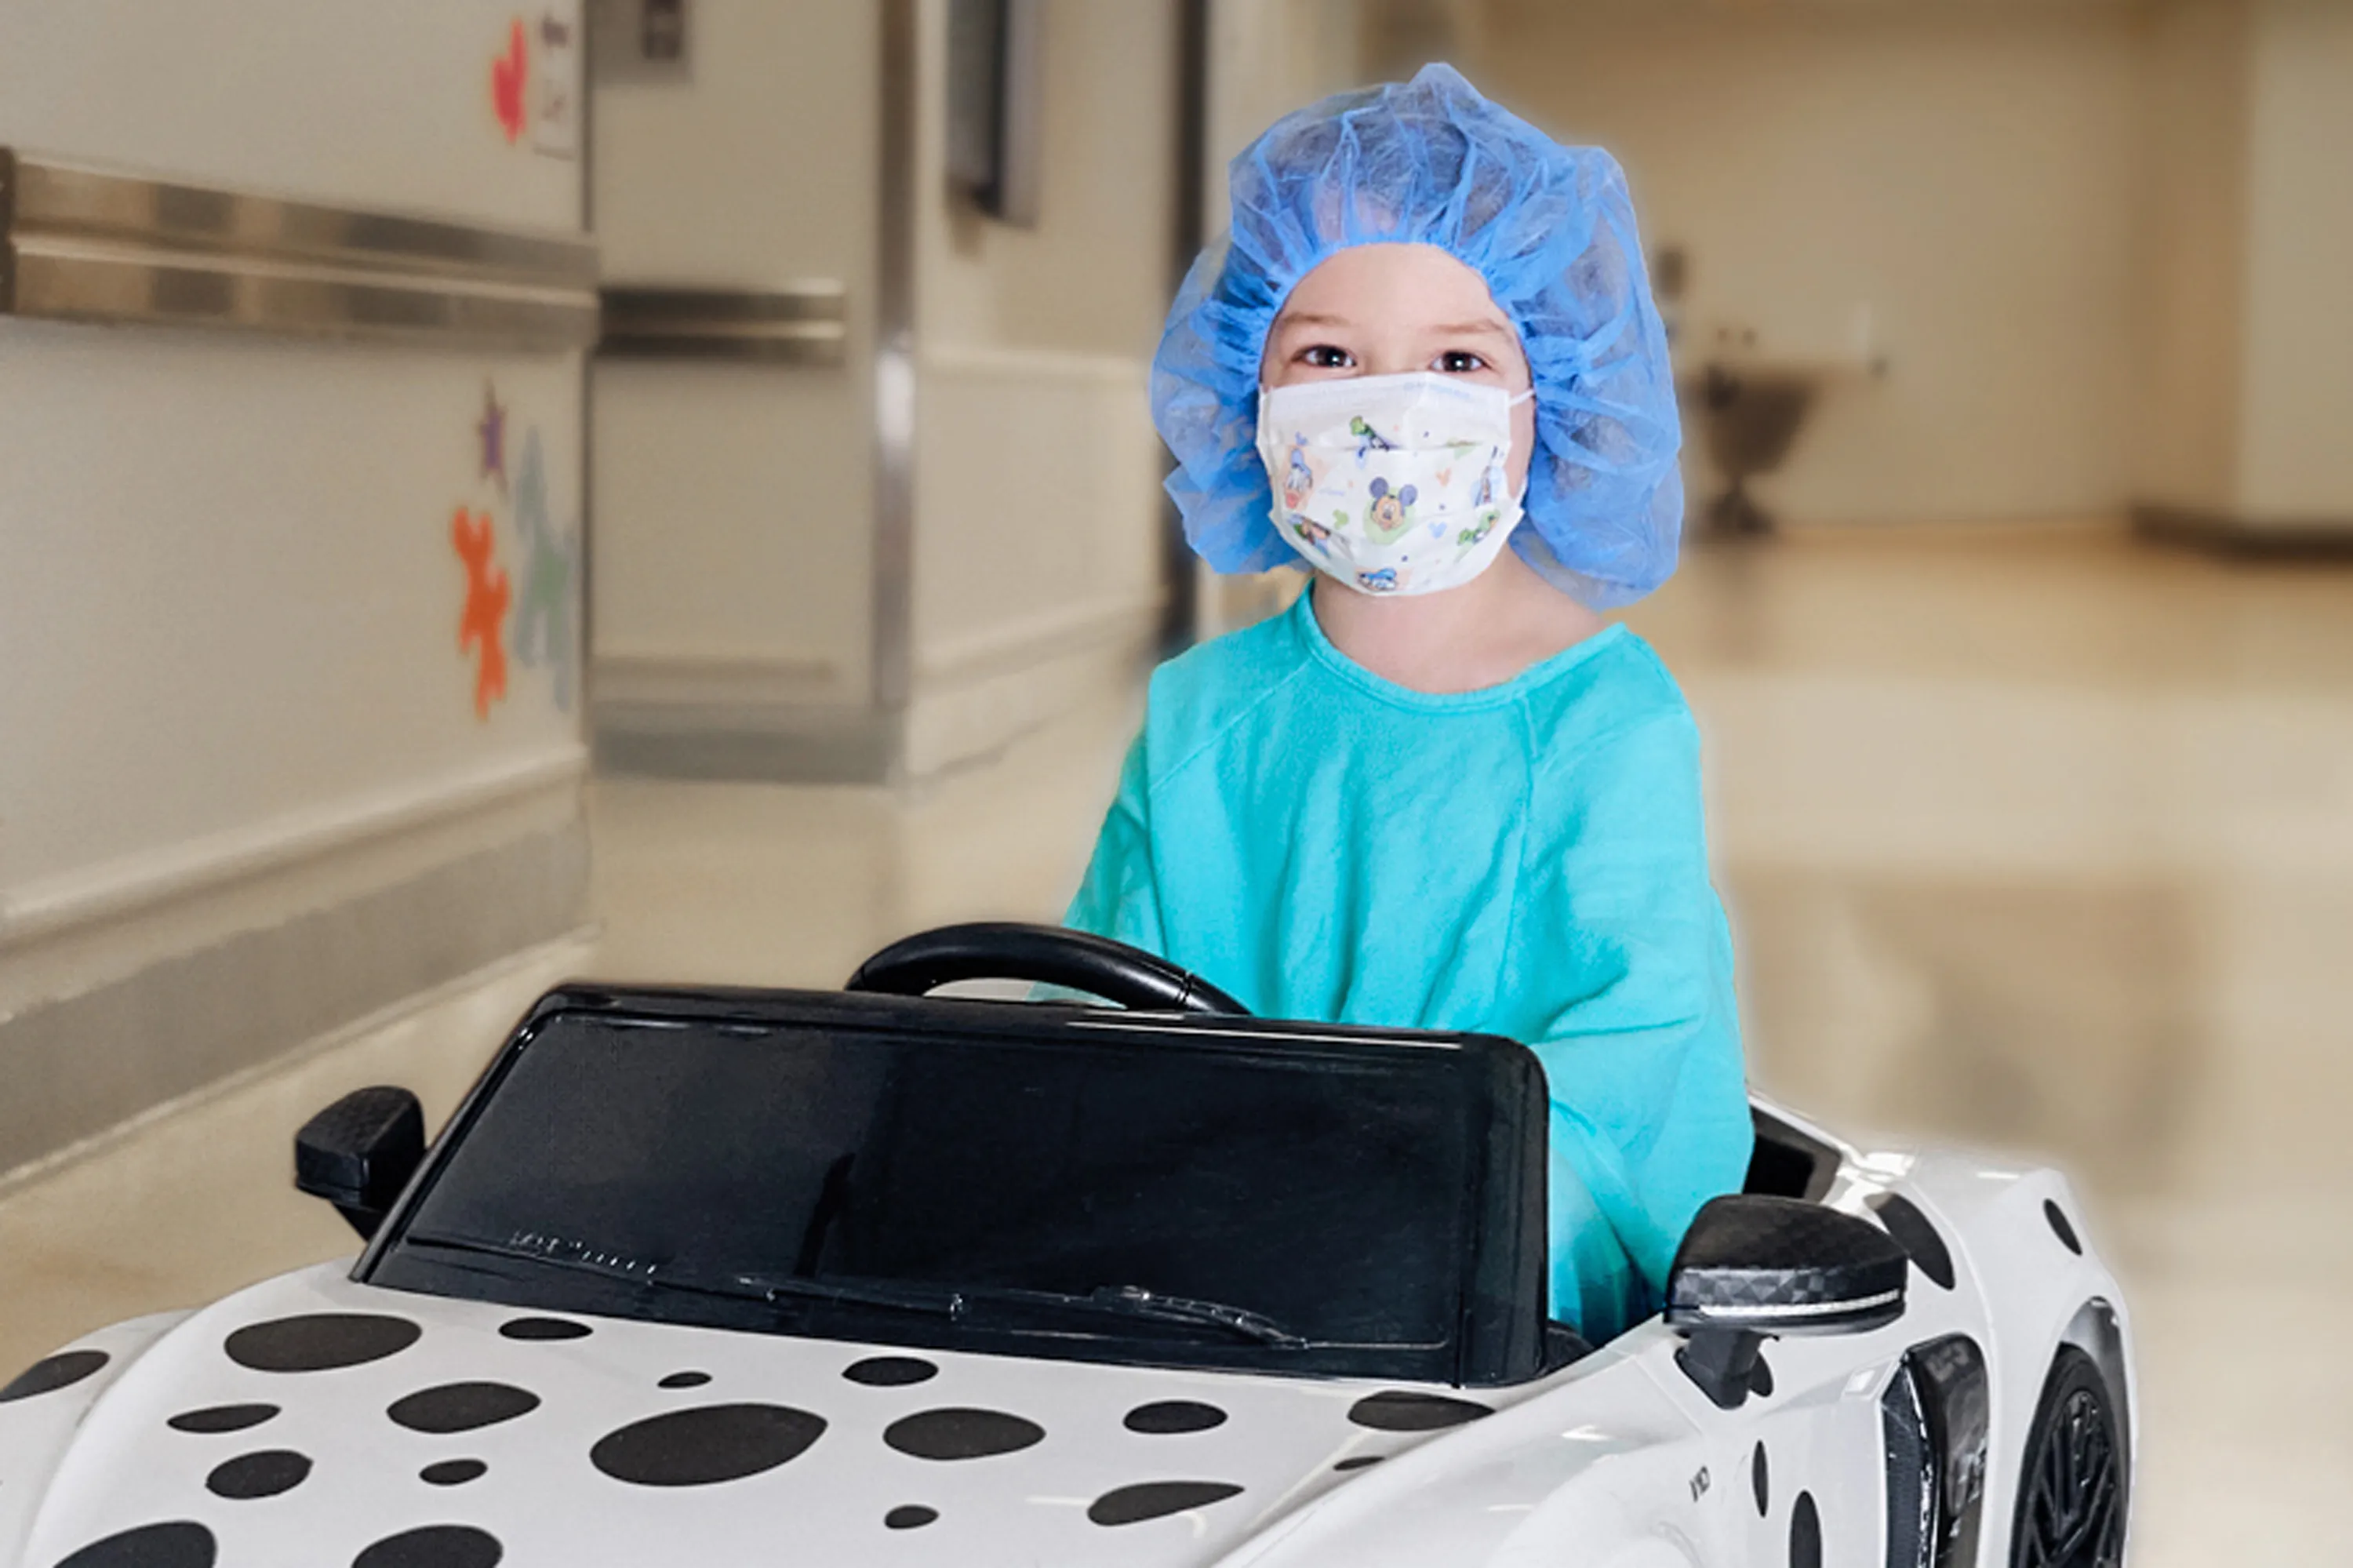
1394,285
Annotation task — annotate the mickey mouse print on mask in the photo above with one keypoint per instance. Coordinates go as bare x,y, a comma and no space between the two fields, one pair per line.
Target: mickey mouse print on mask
1392,483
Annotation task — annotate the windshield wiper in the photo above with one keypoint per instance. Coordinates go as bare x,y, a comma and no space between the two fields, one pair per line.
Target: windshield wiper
1131,1302
964,1302
1135,1301
1135,1305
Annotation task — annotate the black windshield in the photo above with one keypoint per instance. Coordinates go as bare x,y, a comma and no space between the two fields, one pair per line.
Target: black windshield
1189,1197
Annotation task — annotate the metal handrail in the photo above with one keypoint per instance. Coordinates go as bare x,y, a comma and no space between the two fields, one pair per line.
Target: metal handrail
797,324
84,244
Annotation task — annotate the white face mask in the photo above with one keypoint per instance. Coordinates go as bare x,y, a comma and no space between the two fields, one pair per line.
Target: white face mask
1391,483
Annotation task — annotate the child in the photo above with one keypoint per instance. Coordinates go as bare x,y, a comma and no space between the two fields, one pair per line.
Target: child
1441,792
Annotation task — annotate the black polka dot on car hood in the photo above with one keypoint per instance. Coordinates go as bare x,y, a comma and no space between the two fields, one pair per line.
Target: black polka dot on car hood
1401,1410
706,1444
1805,1533
434,1546
51,1373
543,1328
462,1406
890,1372
222,1418
451,1472
961,1433
1174,1415
181,1544
261,1474
2057,1219
1156,1499
320,1342
1917,1234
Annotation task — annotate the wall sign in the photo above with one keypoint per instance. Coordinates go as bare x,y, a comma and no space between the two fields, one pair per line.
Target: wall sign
555,89
642,40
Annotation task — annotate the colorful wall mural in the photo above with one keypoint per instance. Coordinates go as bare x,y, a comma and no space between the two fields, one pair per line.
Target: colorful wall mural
543,631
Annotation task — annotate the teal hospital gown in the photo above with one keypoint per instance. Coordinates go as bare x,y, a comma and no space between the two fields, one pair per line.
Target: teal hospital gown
1527,860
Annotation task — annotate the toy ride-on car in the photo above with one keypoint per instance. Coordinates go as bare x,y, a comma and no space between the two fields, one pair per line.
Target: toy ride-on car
872,1277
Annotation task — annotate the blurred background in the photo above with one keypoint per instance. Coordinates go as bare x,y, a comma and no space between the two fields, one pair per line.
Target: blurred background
663,489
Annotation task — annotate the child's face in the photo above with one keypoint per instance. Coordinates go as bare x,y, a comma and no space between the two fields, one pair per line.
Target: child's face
1383,309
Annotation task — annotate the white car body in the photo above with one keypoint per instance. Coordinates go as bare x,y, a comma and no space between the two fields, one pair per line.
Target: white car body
1616,1461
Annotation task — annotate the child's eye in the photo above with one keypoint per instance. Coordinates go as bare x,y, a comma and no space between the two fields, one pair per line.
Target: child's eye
1460,362
1326,357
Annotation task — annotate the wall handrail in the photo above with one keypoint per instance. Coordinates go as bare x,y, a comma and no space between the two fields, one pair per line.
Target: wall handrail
80,243
801,323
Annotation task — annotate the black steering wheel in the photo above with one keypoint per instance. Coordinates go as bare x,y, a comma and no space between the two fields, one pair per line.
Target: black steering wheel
1041,955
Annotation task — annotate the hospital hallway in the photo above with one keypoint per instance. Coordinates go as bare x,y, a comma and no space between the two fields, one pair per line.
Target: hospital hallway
2038,841
689,492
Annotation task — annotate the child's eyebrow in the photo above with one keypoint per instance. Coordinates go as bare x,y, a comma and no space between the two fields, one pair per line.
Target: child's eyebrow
1470,329
1443,329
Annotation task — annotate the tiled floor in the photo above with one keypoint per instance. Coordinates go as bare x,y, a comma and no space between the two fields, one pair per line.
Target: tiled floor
2033,841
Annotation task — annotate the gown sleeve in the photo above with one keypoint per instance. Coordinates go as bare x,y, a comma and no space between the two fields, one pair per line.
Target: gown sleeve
1626,959
1119,896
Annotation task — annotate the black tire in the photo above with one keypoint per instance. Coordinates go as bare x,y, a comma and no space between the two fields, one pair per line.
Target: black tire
2074,1484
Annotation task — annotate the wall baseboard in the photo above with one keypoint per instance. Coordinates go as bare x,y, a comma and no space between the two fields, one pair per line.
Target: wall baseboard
2247,538
750,742
72,1067
148,880
959,719
623,681
973,695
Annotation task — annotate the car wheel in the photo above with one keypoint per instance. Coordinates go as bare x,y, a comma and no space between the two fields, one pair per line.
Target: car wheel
2071,1491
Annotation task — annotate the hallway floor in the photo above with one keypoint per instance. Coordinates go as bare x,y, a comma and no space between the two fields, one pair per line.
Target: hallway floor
2038,842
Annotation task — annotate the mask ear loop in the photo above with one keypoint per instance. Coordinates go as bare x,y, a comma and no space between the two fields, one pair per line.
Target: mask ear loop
1521,500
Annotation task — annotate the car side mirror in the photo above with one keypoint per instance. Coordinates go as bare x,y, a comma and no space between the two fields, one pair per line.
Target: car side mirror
1752,1267
359,1152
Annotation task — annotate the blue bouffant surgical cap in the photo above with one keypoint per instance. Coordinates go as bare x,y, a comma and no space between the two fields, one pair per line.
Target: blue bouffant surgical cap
1552,231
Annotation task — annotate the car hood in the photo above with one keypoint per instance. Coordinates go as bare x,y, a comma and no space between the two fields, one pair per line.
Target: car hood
311,1418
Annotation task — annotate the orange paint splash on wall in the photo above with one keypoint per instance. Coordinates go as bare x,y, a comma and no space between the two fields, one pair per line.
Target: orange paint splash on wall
486,608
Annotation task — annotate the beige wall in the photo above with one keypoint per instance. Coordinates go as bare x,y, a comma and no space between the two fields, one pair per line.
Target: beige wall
227,594
336,99
2297,413
1091,275
1269,57
1036,481
733,537
238,740
2249,321
2195,180
736,523
1967,176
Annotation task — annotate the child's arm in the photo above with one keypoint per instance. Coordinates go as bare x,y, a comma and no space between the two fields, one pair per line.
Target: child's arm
1624,963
